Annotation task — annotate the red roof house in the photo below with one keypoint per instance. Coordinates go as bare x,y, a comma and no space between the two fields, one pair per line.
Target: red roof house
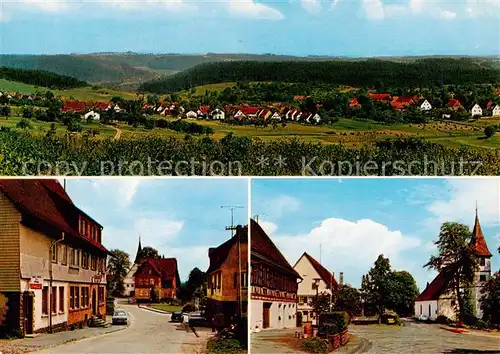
160,276
354,103
73,106
380,96
454,104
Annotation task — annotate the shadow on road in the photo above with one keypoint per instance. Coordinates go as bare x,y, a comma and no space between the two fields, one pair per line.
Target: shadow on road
470,351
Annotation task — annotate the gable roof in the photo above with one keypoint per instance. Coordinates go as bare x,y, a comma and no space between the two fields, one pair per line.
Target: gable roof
219,254
263,248
477,241
324,274
438,286
47,201
380,96
204,109
166,268
250,110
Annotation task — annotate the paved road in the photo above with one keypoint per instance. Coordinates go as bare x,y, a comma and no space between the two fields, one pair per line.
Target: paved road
149,332
423,338
118,134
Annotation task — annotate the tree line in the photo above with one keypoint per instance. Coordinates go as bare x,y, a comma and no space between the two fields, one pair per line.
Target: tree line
40,78
420,73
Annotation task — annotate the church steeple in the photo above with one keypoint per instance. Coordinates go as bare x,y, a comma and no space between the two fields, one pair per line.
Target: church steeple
138,255
477,240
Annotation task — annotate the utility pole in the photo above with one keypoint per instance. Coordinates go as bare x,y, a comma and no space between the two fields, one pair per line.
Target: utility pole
238,281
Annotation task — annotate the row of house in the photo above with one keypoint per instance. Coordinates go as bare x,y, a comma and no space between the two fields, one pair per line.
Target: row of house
402,103
52,261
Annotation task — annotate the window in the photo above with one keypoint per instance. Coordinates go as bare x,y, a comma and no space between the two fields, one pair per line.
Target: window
482,262
244,280
45,300
101,294
61,299
151,281
93,262
75,257
219,280
72,297
54,253
85,297
421,306
64,254
84,227
235,279
301,299
482,277
77,297
53,300
85,260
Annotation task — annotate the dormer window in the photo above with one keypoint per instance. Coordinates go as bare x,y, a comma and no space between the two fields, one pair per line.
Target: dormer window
482,261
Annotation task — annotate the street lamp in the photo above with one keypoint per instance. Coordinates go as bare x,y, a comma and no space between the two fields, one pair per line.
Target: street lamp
316,285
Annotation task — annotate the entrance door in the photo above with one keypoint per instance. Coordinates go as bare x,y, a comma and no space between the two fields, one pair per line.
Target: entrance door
28,312
266,314
94,302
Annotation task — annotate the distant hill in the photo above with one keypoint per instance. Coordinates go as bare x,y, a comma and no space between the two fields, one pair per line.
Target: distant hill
418,73
40,78
129,70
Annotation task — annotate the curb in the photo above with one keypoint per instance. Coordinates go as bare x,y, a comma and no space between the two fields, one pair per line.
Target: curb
154,310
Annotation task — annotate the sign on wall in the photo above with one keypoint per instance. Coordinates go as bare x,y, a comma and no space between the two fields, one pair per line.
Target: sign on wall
36,282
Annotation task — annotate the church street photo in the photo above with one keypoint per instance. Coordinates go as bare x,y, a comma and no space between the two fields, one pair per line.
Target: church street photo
130,265
375,265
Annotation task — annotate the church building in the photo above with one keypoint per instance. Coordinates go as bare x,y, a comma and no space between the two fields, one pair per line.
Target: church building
435,301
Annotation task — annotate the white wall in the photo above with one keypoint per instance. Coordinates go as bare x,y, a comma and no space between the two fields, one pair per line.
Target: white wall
281,314
422,307
40,320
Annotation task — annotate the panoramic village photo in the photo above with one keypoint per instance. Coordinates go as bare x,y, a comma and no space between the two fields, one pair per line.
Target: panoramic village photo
375,266
129,265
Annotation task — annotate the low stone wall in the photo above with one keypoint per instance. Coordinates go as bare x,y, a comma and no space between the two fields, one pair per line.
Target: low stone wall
339,339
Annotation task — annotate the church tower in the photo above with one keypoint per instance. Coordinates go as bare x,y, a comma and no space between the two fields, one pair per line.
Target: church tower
483,272
138,255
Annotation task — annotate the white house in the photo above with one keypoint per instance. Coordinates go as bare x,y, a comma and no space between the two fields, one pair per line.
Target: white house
425,106
239,115
313,118
191,115
476,110
129,280
218,114
316,280
118,109
276,116
92,115
496,111
437,300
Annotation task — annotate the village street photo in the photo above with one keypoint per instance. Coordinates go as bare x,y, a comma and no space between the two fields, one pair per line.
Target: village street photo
129,265
375,265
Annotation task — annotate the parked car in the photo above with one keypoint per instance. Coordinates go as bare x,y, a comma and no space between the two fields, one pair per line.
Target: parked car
197,319
120,317
177,316
422,318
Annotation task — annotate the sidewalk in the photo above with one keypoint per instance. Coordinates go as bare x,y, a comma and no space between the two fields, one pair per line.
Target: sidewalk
45,340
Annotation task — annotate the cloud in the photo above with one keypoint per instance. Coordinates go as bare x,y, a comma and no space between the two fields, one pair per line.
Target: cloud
374,9
283,204
460,203
123,189
155,5
269,227
311,6
447,15
252,10
345,244
3,17
334,4
477,8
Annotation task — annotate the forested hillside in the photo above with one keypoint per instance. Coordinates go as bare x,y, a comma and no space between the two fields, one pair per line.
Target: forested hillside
368,73
40,78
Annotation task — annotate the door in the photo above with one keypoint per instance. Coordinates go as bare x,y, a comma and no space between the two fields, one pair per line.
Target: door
28,312
266,314
94,303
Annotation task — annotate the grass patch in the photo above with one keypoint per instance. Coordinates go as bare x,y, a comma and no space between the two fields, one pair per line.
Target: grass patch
225,346
166,307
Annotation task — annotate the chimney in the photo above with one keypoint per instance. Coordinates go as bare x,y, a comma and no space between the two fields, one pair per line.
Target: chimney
341,278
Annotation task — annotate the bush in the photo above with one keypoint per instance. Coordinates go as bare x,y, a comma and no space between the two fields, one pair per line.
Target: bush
315,345
480,324
470,320
489,131
24,124
333,322
224,345
189,308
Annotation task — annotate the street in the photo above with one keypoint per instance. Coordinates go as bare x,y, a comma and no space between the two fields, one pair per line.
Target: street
149,332
422,338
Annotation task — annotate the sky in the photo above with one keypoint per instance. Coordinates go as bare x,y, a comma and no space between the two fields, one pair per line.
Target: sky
356,28
181,218
352,221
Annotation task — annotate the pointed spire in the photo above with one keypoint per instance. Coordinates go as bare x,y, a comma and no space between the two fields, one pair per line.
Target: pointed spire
477,240
138,255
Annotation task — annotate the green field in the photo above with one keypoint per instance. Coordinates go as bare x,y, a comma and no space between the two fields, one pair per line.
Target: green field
81,94
166,307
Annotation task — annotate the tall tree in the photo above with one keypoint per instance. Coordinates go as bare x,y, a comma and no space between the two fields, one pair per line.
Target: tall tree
118,266
348,299
402,292
374,287
490,300
149,252
457,256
